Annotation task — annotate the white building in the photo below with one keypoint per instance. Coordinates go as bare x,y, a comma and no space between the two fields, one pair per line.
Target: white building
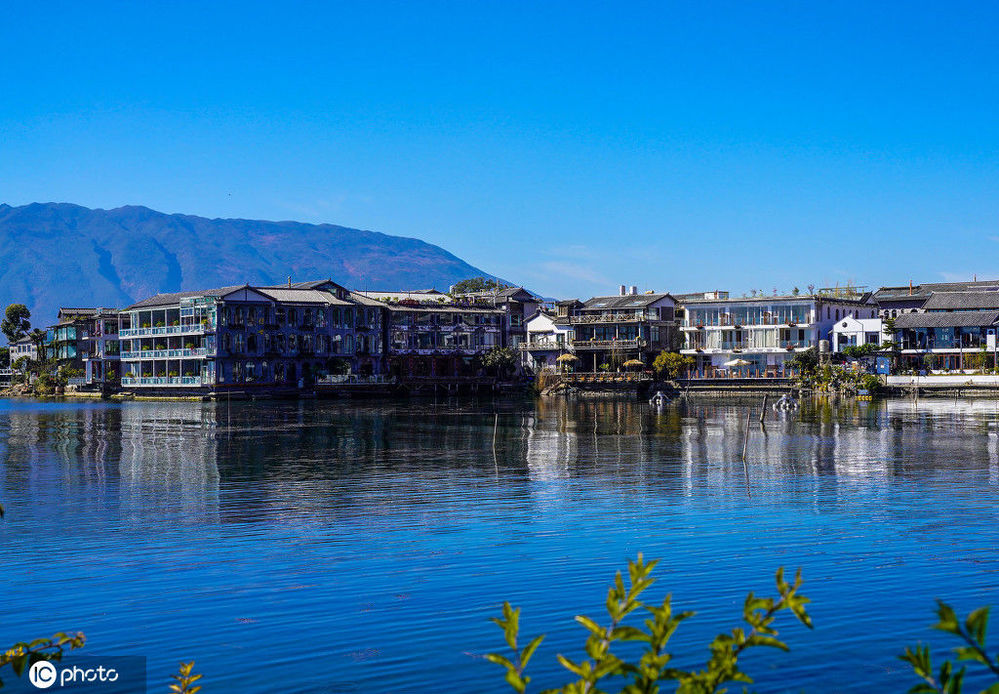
856,332
23,348
763,331
547,339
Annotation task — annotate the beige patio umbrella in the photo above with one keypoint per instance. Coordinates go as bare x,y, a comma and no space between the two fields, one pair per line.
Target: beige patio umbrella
566,359
633,362
738,362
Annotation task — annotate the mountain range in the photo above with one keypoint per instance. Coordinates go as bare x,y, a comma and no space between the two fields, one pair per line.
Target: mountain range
59,254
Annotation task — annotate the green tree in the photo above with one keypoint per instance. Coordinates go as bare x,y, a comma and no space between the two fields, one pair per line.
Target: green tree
477,284
981,360
858,351
16,323
500,360
4,357
670,365
38,340
806,362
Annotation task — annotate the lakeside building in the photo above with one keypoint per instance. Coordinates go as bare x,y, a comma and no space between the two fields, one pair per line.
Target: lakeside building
25,347
548,336
857,332
67,341
249,338
436,336
518,304
101,349
757,335
952,326
895,301
611,330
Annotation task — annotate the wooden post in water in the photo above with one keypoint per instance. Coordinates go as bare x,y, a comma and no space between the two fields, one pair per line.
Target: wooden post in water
745,440
495,424
745,444
763,412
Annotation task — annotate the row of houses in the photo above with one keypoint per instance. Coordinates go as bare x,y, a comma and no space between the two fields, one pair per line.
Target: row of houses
302,334
954,322
254,338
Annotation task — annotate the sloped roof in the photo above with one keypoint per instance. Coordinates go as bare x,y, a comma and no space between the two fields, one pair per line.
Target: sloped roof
921,291
962,301
418,295
175,297
507,293
866,324
301,296
956,319
365,300
627,301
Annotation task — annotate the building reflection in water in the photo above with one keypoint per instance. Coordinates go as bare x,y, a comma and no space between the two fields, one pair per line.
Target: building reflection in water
159,453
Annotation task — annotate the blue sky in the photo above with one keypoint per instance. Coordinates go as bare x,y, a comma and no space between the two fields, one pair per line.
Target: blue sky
571,147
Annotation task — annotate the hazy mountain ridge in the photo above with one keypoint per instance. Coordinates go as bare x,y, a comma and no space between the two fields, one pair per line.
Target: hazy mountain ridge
60,254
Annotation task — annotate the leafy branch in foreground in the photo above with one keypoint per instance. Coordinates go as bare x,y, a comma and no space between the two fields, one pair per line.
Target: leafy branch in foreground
972,632
185,680
510,624
24,654
644,675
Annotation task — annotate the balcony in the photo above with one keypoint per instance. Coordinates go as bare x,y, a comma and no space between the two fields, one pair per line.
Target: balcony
441,351
173,381
614,318
540,346
190,329
354,379
609,344
167,353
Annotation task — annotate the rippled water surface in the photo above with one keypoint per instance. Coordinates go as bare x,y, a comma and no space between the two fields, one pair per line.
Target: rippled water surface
362,546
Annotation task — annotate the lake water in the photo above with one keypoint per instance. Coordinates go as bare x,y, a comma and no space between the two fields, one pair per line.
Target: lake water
363,546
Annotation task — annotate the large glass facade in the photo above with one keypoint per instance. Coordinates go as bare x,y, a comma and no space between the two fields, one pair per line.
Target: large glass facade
750,314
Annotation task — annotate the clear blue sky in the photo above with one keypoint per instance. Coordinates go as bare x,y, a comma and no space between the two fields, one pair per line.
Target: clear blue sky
568,146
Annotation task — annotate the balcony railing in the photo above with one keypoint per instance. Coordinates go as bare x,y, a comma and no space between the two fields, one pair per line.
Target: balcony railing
354,379
161,381
542,345
166,353
442,351
613,318
190,329
729,322
609,344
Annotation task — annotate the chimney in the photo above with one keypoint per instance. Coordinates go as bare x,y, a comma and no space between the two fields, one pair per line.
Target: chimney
634,290
622,289
910,287
289,281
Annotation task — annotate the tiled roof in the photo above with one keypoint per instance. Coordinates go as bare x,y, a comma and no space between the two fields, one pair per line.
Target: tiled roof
174,298
300,296
627,301
507,293
421,295
948,301
957,319
920,291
